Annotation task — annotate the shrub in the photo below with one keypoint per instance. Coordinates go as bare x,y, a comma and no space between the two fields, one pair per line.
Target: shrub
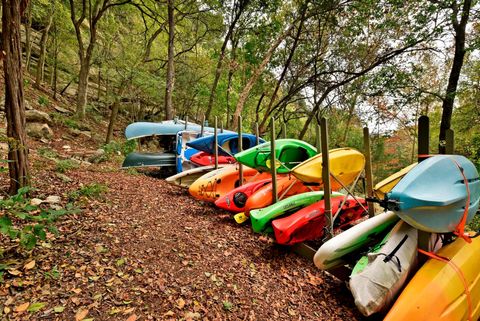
47,152
43,101
65,165
115,147
94,190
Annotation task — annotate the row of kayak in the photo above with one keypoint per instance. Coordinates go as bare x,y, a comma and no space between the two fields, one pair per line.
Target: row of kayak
381,251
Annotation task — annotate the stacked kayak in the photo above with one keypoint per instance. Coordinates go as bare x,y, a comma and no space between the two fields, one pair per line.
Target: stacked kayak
145,159
164,128
206,159
186,178
386,185
227,143
185,153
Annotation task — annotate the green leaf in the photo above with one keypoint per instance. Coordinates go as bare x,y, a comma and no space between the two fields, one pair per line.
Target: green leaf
28,240
58,309
120,262
35,307
39,230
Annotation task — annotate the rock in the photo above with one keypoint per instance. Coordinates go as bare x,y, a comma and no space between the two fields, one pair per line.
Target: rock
62,110
39,130
35,201
55,207
53,199
4,147
37,116
64,177
44,140
98,156
77,132
27,105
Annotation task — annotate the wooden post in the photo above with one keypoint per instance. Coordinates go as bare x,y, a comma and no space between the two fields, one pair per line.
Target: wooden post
257,134
221,126
215,143
423,150
284,130
273,161
318,140
203,125
450,140
186,122
240,148
326,177
368,169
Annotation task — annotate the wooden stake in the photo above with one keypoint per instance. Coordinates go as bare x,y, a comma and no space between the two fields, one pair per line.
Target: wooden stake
368,169
450,140
215,142
284,130
257,134
423,150
221,126
318,140
240,148
186,122
326,177
203,125
273,161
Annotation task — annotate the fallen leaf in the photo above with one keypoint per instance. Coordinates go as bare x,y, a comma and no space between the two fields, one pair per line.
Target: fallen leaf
128,311
120,262
6,310
180,303
30,265
58,309
37,306
77,290
21,307
169,313
14,272
133,317
81,314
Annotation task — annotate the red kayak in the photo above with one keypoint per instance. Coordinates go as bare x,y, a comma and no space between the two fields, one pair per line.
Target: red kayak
235,200
308,223
205,159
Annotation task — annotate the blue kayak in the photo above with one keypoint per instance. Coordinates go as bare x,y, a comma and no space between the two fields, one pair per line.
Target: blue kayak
432,196
168,127
227,143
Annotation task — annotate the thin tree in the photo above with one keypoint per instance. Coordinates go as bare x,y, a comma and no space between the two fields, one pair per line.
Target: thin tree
170,64
14,104
43,47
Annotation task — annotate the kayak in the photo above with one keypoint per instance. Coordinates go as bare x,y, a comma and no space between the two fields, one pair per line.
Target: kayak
286,186
383,187
186,178
168,128
227,143
205,159
184,153
332,254
436,291
217,183
261,218
345,164
432,196
145,159
288,152
235,200
308,223
378,277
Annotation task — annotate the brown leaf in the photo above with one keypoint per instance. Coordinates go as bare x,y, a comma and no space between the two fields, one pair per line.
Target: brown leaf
77,290
180,303
81,314
133,317
30,265
21,307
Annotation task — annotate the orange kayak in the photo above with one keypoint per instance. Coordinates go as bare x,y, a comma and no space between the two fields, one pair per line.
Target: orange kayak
286,186
217,183
437,292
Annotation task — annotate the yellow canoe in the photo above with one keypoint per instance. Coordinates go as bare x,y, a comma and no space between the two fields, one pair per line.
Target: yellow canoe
436,292
389,183
345,164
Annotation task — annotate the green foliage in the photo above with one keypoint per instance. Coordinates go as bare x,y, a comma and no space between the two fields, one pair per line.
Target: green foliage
475,224
28,223
227,305
47,152
53,273
43,101
65,165
93,190
123,147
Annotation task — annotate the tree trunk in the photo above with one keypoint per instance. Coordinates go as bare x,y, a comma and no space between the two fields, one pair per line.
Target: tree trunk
447,106
218,70
43,50
256,74
114,113
170,64
231,71
82,87
28,32
55,61
14,104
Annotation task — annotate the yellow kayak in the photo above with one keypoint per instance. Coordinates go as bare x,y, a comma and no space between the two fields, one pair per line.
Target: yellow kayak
345,164
389,183
437,292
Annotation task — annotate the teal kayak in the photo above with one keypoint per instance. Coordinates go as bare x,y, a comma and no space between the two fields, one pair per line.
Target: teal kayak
432,197
288,152
261,218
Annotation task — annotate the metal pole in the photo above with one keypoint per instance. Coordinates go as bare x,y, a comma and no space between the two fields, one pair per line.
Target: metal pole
450,140
273,168
203,124
257,134
326,177
284,130
240,148
368,169
186,122
318,140
423,151
215,142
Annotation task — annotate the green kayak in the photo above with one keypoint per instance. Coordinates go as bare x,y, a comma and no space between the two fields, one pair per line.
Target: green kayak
288,152
150,160
261,218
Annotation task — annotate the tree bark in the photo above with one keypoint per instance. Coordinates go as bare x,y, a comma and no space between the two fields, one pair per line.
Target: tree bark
28,32
43,50
170,65
14,104
218,71
114,113
447,105
256,74
82,87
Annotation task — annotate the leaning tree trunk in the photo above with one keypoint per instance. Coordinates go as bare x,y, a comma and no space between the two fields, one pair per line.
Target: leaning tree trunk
447,106
170,64
14,105
43,50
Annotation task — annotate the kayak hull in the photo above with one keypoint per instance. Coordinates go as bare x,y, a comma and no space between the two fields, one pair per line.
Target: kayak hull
227,143
186,178
383,187
235,200
137,159
205,159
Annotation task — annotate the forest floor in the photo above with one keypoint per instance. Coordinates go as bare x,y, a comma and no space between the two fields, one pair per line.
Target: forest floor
140,249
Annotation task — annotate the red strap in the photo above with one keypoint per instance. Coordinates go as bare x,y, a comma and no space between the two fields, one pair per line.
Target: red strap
460,275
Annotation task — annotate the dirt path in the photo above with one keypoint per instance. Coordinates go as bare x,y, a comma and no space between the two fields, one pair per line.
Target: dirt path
148,251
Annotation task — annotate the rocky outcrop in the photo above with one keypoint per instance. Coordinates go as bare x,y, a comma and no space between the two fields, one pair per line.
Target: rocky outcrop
37,116
39,130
